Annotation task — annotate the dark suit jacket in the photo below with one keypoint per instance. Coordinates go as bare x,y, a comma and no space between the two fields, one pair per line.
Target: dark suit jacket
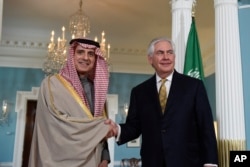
183,136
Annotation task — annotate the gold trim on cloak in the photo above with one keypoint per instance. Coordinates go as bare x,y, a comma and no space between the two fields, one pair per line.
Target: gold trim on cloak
75,95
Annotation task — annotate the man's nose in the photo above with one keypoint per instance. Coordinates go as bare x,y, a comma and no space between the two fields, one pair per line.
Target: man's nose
85,56
166,55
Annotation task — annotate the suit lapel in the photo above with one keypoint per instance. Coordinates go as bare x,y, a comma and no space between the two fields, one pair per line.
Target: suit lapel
153,94
173,92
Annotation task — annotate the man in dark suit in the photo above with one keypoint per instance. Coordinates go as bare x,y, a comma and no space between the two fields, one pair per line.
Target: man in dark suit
179,134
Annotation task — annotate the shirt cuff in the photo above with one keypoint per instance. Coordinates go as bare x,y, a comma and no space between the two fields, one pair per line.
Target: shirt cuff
118,133
210,165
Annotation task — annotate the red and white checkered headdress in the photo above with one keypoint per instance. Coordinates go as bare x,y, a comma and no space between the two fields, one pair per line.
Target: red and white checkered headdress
100,76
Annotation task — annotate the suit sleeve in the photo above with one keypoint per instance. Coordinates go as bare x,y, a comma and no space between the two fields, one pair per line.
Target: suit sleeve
131,129
206,126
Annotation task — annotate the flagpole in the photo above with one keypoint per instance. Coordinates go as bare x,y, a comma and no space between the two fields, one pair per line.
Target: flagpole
193,65
193,8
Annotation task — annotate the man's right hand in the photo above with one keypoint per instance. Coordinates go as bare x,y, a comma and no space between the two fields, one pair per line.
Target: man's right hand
113,128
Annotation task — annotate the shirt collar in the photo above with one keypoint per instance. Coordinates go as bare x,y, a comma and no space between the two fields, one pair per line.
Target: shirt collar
169,78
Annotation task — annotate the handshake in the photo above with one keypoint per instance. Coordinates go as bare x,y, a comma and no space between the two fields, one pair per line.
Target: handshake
113,128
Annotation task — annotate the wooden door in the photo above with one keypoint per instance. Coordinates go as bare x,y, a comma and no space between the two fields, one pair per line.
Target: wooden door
29,127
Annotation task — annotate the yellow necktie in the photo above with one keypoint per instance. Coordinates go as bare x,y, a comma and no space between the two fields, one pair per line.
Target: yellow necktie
163,95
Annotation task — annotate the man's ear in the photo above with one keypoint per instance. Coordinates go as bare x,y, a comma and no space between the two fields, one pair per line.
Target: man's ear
150,59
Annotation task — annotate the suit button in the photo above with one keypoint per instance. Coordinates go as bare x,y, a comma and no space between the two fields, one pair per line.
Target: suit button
163,131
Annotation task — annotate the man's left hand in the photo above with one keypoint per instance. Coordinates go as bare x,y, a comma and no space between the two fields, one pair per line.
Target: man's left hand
104,163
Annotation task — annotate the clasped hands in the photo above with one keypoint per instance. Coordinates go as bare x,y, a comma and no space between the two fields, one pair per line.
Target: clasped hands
113,128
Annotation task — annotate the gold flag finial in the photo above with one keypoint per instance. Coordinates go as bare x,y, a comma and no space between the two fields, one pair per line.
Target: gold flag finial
193,8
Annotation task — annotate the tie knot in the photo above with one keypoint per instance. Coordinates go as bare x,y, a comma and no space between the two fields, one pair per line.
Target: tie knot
163,81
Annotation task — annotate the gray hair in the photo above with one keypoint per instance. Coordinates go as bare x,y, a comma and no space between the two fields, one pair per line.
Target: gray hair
151,46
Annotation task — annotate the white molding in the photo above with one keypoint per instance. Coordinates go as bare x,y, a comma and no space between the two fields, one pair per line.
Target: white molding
23,96
28,54
24,54
6,164
112,101
21,100
244,6
1,18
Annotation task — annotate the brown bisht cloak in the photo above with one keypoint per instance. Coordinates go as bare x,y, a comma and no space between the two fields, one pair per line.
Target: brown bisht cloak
65,133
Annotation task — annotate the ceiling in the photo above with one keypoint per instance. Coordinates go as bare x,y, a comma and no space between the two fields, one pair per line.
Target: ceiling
128,24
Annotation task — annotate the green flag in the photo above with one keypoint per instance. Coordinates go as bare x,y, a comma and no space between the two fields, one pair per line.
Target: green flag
193,61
